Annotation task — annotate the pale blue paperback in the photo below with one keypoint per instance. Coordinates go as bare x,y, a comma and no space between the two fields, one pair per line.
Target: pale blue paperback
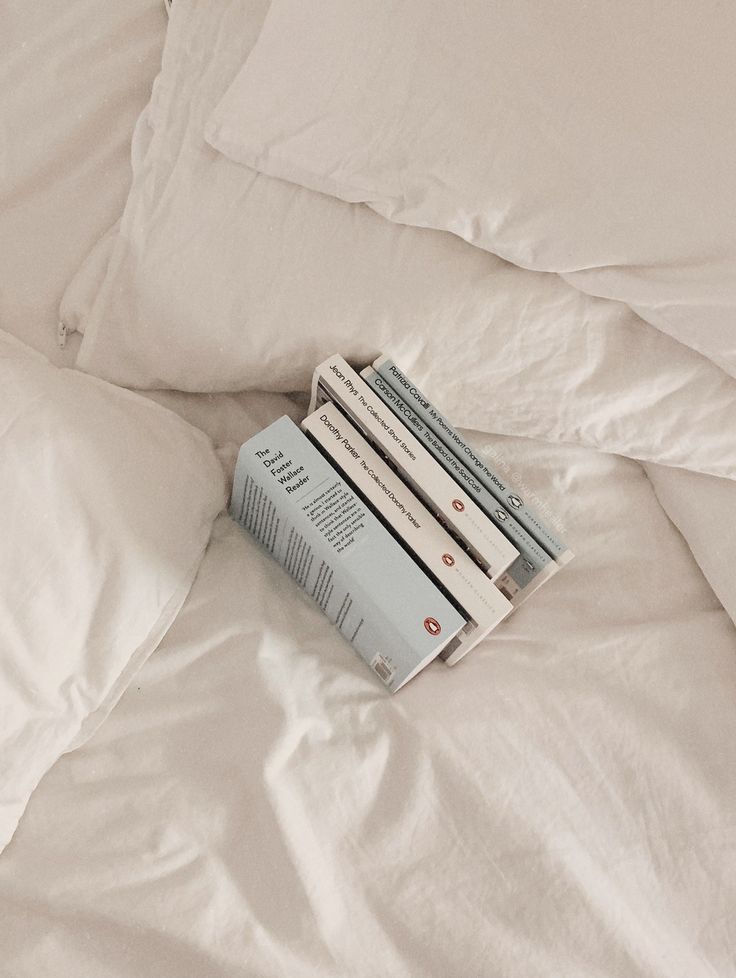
309,518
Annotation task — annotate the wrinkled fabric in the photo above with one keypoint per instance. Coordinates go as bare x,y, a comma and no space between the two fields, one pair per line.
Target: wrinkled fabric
222,279
559,803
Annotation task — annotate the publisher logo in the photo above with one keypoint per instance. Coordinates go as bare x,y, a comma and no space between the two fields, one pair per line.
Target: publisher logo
448,559
458,504
502,515
515,501
432,626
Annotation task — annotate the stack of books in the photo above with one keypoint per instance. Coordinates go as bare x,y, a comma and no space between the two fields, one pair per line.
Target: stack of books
410,544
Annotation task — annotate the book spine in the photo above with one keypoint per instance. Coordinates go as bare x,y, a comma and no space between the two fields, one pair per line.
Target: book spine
441,427
532,559
334,380
411,521
305,514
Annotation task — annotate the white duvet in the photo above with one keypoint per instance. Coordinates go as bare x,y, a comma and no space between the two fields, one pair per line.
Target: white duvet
561,803
221,278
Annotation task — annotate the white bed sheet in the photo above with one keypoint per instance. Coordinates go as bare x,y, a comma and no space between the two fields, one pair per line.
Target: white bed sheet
74,76
561,803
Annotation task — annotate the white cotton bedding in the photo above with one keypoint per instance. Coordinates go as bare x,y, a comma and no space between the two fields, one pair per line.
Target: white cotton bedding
74,76
563,802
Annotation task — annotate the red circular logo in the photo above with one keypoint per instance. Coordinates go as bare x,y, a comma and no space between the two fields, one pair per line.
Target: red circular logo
432,626
448,559
458,505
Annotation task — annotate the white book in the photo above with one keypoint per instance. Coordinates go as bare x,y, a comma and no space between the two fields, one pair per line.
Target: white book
477,597
534,565
335,380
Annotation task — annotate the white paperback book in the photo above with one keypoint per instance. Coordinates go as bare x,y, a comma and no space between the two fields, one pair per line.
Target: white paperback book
335,380
534,566
477,597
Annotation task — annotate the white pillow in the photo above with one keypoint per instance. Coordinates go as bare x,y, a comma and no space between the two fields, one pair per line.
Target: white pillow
107,506
595,140
224,279
74,77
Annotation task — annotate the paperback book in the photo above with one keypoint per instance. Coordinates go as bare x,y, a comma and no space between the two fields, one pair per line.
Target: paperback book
334,380
310,519
482,605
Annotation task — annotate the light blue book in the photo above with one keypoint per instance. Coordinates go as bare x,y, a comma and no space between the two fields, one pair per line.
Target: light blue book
533,560
309,518
441,427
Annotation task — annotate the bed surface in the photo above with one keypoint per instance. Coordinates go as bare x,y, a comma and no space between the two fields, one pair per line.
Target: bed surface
563,803
556,805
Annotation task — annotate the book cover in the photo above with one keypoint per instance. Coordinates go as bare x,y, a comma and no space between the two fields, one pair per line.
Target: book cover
307,516
392,500
441,427
533,564
335,380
